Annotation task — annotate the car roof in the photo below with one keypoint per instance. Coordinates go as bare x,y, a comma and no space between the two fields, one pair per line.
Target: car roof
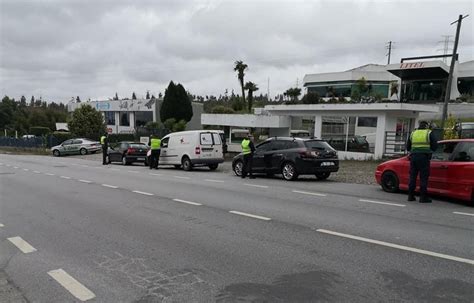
456,140
131,142
293,139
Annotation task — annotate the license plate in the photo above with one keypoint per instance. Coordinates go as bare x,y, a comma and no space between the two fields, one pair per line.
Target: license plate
206,155
327,164
141,158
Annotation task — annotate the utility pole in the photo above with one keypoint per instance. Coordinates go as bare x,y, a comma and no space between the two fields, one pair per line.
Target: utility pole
447,95
389,47
268,89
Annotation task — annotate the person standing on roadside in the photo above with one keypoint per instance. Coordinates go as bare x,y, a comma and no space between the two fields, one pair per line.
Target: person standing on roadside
421,144
104,141
248,149
155,146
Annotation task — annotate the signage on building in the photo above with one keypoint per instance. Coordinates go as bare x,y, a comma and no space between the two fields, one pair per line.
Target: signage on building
412,65
109,130
124,105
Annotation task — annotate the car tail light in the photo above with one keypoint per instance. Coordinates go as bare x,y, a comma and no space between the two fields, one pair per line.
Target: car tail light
309,154
197,150
130,150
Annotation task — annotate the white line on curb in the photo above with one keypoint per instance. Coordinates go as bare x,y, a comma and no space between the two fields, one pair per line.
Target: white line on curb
401,247
215,181
65,177
384,203
256,185
142,193
461,213
22,245
249,215
179,177
155,174
309,193
84,181
78,290
109,186
187,202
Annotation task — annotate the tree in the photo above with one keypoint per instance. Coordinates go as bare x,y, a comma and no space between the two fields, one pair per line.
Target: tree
240,67
78,100
251,87
293,94
147,95
116,97
23,101
32,101
310,98
134,97
87,122
176,104
449,131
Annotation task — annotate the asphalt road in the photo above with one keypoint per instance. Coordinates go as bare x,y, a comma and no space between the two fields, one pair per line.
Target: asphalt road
72,230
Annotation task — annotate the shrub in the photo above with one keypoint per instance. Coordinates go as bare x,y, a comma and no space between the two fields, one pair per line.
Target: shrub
220,109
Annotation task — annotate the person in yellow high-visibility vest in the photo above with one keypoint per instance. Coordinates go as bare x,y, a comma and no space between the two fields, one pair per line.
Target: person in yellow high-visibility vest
155,146
104,141
248,149
421,144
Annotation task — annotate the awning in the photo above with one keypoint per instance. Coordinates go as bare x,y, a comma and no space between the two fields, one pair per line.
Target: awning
419,70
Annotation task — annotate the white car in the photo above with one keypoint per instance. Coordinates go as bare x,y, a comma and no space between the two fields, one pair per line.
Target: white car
192,148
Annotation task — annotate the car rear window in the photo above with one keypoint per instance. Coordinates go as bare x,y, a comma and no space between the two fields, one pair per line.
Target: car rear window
206,138
318,145
138,146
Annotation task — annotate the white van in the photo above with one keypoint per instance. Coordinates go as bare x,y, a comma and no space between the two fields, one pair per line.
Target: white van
192,148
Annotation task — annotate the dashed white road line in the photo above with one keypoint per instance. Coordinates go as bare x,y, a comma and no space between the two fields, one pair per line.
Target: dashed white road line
180,177
384,203
26,169
155,174
49,174
22,245
461,213
401,247
16,167
215,181
132,171
142,193
187,202
255,185
76,289
37,172
249,215
84,181
1,225
309,193
65,177
109,186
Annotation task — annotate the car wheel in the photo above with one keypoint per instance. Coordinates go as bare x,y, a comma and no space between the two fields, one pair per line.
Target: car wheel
83,151
288,171
323,176
213,166
390,182
56,153
124,160
238,167
186,163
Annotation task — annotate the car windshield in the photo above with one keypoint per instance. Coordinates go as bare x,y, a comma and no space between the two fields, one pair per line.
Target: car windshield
318,145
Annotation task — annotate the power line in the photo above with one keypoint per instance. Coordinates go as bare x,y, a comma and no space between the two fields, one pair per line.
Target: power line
446,41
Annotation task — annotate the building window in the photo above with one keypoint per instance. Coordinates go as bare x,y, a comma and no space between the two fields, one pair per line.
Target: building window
367,122
124,119
344,134
109,118
142,118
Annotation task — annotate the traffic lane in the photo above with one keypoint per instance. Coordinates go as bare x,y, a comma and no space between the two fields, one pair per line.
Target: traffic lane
439,234
244,255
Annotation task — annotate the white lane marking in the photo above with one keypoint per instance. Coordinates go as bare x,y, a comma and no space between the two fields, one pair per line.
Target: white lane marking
1,225
461,213
22,245
216,181
7,165
109,186
180,177
401,247
132,171
25,169
84,181
49,174
76,289
65,177
309,193
15,167
249,215
384,203
256,185
187,202
116,169
142,193
36,172
155,174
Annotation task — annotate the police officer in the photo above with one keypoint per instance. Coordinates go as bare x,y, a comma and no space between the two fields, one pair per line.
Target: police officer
248,149
421,145
104,141
155,145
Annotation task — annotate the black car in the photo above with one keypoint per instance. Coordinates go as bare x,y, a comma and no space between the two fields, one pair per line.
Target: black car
292,157
128,152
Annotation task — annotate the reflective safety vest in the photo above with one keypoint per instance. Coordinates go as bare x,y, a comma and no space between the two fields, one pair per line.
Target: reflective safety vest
420,140
102,140
246,146
155,143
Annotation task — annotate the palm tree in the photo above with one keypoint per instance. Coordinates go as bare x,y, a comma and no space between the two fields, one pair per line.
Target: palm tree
251,87
293,93
240,67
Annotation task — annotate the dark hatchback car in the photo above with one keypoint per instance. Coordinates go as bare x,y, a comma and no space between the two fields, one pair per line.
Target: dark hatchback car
292,157
128,152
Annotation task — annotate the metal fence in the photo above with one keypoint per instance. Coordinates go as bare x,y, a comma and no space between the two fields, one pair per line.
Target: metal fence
20,142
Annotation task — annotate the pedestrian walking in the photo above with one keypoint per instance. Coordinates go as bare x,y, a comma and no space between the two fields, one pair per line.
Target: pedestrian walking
104,141
421,144
155,146
248,148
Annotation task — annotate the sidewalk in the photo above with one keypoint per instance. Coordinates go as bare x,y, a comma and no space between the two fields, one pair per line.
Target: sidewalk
8,292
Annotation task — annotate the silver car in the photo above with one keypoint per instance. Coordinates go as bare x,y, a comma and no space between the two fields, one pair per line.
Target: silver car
76,146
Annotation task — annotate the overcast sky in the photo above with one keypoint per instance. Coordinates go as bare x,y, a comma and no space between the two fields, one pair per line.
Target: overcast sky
58,49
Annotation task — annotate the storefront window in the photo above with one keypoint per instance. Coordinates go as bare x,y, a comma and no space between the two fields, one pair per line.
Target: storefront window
109,118
124,119
349,133
142,118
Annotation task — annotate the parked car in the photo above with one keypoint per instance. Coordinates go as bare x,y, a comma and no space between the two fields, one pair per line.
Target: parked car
465,130
128,153
354,143
76,146
188,149
292,157
451,171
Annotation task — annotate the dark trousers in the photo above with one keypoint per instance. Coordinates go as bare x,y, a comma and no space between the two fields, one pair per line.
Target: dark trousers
247,167
154,158
104,154
419,164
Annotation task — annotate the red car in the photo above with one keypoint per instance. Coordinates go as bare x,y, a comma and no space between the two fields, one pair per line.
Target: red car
451,174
